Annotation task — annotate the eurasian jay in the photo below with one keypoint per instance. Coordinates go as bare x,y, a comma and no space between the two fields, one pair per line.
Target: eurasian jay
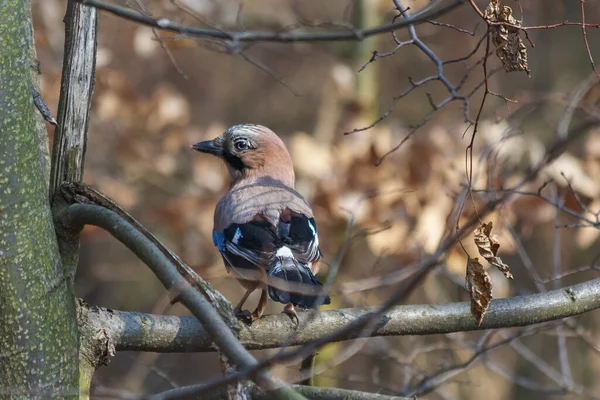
264,229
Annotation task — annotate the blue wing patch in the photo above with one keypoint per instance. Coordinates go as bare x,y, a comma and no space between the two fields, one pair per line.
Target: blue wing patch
238,235
219,240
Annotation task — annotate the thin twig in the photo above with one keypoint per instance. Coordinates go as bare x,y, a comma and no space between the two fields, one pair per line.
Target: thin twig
585,39
43,108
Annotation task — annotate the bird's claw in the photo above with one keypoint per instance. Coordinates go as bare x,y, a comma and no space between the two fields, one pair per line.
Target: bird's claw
291,312
244,316
294,318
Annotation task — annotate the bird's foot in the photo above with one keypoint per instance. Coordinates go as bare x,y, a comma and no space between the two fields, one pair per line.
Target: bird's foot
244,315
255,315
291,312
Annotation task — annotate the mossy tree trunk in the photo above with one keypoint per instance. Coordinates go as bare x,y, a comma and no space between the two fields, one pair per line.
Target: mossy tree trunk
38,328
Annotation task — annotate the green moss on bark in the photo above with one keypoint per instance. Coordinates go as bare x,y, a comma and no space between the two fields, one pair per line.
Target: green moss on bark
38,330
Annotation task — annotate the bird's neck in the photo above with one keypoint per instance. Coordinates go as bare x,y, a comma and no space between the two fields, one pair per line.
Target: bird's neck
253,176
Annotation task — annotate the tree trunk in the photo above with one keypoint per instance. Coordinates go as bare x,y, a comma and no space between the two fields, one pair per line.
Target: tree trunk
38,329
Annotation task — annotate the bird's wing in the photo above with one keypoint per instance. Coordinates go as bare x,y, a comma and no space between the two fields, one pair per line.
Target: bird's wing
255,243
248,246
252,223
298,232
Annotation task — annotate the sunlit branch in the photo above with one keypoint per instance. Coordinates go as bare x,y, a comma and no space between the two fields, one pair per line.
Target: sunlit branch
166,334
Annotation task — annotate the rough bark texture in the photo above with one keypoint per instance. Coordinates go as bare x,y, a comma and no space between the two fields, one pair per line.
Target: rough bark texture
38,330
76,90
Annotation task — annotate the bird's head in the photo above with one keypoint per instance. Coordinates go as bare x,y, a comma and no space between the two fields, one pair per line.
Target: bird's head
251,153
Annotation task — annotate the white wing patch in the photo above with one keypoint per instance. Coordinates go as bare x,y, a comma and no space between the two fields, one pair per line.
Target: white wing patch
238,235
312,228
315,235
284,252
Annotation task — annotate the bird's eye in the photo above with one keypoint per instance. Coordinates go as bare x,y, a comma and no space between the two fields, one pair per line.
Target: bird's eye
241,144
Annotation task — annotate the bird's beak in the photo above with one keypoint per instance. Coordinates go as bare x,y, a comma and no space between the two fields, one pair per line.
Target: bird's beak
209,146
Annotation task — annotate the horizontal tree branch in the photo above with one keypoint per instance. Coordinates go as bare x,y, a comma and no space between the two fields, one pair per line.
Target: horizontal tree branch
331,393
161,333
310,392
313,393
244,36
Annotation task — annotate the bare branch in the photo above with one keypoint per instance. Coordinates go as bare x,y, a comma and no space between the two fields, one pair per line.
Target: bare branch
453,91
244,36
133,331
315,393
585,39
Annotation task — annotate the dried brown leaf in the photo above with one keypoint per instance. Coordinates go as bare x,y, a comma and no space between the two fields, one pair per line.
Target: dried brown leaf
488,246
510,48
479,287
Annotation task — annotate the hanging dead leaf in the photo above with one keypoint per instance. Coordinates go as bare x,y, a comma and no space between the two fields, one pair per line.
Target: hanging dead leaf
510,48
488,246
479,287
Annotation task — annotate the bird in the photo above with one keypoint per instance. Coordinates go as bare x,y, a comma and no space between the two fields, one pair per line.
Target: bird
264,229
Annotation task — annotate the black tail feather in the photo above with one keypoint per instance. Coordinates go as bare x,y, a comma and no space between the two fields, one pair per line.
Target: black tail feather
302,284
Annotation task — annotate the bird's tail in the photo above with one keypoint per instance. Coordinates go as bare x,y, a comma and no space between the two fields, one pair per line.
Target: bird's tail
296,284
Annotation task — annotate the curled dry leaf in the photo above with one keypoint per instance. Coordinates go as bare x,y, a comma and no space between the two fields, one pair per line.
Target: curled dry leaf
510,48
488,247
479,287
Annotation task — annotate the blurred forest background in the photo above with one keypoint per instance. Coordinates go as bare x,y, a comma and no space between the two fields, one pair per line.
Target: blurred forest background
151,104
